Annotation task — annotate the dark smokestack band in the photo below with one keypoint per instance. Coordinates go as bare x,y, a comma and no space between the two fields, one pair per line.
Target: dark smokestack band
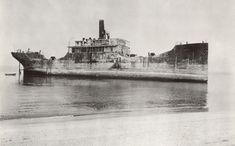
101,30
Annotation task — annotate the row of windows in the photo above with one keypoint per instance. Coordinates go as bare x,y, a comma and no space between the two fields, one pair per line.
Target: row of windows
90,50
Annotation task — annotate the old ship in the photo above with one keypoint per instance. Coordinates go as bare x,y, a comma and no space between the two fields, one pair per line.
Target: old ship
108,57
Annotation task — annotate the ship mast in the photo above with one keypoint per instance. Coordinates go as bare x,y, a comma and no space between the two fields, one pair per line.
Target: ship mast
68,49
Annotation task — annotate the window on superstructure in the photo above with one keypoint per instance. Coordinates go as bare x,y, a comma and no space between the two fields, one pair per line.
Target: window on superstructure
83,49
73,50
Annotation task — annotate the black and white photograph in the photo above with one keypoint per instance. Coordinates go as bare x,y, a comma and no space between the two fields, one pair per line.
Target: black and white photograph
117,73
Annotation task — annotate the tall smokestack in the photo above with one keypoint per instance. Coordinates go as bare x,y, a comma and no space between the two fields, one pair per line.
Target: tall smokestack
101,30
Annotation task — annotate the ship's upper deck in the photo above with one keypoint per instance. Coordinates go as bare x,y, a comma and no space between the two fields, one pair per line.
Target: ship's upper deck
87,43
104,40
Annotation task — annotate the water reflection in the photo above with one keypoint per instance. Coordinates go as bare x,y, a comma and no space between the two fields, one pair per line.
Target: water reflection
55,96
105,95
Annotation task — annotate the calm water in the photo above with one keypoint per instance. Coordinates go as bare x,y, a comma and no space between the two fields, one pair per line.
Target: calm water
51,96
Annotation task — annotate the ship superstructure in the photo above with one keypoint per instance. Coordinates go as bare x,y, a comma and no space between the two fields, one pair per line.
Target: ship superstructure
103,49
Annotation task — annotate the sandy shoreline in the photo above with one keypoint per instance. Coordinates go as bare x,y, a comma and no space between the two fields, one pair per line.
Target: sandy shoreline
203,128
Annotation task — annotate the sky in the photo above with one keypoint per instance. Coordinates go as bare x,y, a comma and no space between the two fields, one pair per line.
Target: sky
149,25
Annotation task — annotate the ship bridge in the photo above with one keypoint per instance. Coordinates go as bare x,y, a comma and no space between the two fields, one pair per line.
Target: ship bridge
101,48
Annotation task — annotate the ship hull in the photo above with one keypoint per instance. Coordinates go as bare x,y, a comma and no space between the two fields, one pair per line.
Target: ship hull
179,64
107,57
153,71
152,76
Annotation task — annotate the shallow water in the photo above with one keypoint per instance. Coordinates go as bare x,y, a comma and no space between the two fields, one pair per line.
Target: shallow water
53,96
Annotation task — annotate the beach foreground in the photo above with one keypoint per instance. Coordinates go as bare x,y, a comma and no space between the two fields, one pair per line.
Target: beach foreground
203,128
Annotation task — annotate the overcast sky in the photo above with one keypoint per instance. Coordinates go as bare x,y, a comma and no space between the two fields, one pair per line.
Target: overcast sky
149,25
